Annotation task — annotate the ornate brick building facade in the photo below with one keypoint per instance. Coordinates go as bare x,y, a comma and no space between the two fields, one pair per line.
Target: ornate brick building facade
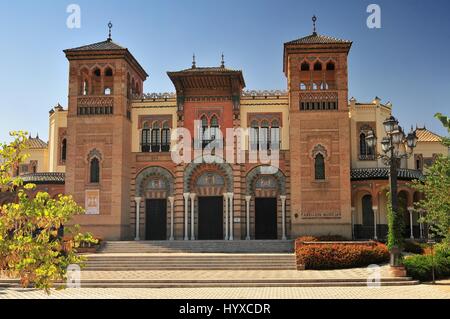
111,150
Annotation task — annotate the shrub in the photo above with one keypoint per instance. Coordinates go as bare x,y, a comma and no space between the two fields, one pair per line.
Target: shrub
320,238
332,238
413,247
337,256
306,239
420,266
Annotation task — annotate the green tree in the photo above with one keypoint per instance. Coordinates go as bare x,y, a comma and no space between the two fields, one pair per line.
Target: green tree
30,246
445,120
436,188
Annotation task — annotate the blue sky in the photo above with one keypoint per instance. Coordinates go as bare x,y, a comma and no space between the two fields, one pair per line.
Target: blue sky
406,61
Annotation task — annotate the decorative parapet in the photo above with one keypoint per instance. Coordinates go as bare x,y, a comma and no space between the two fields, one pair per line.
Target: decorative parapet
264,93
173,95
155,96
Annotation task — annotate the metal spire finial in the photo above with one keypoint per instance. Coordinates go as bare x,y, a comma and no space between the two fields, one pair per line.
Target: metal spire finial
314,20
223,61
193,61
110,25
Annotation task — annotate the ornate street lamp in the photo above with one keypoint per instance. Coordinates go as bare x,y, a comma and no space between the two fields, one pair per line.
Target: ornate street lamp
395,146
389,124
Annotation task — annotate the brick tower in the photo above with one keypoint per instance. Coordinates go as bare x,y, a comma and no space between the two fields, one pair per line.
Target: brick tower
316,70
103,77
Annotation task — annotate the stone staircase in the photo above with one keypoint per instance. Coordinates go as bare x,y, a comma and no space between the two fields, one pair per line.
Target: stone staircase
236,247
193,255
191,261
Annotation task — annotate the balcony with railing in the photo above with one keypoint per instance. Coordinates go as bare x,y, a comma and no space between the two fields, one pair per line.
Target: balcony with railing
155,147
95,105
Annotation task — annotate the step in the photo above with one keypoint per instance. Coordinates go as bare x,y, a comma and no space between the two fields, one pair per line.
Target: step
232,283
238,246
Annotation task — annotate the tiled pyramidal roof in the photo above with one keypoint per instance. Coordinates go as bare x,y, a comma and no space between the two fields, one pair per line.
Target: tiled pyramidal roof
36,143
425,135
210,69
383,173
99,46
44,178
316,38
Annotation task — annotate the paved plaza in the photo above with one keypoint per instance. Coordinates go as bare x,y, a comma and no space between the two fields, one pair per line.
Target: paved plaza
439,291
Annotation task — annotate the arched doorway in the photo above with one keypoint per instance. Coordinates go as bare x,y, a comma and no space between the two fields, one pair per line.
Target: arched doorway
368,218
154,185
209,187
268,189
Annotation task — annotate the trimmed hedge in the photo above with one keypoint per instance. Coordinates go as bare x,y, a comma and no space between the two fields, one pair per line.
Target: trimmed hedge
321,238
420,266
413,247
321,256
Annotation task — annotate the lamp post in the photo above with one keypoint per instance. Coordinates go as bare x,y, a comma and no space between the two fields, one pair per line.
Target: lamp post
395,146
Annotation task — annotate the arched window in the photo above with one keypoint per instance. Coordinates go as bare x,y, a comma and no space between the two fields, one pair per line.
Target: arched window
365,152
95,171
165,138
305,66
330,66
133,86
275,139
367,212
302,86
97,88
319,166
137,90
204,131
129,89
315,87
156,137
254,131
362,144
108,72
317,66
85,89
214,127
145,139
264,135
108,91
63,150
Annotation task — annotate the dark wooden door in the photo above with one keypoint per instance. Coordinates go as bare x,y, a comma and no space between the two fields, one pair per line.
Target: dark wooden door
266,218
156,219
210,218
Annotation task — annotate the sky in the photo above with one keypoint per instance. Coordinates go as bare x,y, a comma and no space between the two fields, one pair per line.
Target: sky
406,61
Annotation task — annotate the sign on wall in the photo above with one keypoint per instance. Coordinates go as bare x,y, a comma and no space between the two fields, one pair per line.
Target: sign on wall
92,204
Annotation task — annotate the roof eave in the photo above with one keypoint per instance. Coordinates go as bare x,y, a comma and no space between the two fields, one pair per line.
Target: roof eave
72,54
